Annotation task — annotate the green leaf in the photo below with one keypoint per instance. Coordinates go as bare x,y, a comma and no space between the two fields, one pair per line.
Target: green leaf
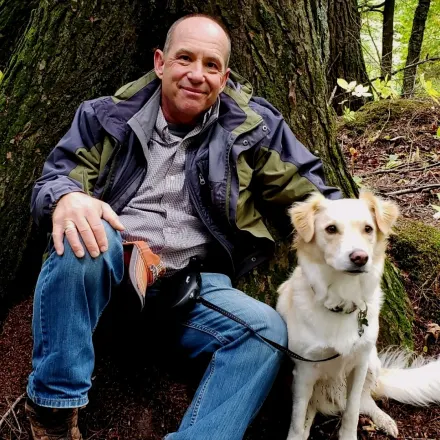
436,207
1,76
438,132
342,83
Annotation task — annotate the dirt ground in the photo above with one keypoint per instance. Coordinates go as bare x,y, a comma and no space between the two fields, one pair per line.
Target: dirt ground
134,397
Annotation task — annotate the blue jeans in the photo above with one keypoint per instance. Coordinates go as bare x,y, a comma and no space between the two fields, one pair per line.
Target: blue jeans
71,295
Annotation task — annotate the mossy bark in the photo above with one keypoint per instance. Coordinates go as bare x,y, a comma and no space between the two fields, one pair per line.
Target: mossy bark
397,314
14,17
346,59
416,250
72,51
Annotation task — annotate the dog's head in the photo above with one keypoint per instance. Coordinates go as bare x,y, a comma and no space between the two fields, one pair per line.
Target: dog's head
348,234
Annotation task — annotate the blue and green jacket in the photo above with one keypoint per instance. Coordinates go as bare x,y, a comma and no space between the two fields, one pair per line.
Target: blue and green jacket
248,158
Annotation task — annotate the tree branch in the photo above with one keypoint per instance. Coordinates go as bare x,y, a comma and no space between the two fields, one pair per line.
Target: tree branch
399,169
412,189
407,67
11,409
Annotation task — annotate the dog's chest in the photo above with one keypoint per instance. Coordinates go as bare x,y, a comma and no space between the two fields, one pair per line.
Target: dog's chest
345,333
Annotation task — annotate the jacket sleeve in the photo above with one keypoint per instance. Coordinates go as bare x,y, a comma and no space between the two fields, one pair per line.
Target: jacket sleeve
71,166
286,171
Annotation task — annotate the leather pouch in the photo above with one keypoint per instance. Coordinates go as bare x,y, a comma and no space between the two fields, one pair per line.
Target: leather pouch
142,267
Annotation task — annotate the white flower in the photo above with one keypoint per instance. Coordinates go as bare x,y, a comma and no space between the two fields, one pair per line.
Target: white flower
361,90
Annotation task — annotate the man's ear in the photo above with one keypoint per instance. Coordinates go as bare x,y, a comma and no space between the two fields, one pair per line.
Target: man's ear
384,211
159,62
302,216
225,78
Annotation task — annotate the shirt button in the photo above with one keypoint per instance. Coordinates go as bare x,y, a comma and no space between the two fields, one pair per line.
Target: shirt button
264,128
253,259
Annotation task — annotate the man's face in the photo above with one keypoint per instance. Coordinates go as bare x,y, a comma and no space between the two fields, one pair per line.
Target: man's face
193,71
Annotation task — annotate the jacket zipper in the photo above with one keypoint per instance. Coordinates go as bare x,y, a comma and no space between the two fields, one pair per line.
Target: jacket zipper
112,176
196,205
112,172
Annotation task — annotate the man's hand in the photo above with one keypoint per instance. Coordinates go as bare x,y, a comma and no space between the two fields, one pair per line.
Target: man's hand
77,212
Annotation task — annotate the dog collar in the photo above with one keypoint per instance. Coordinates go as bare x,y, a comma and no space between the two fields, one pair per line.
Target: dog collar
361,318
339,309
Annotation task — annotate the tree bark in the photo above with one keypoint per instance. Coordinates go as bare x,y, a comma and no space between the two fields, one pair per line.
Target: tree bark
14,17
76,50
346,59
71,51
387,39
415,46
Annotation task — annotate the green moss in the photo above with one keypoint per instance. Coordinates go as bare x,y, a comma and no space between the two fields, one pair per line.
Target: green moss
397,315
379,112
262,283
416,250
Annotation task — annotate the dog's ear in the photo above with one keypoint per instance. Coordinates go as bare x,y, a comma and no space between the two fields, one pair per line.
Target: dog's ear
303,216
384,211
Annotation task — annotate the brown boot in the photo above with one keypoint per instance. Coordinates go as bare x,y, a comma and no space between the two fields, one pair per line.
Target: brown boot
51,423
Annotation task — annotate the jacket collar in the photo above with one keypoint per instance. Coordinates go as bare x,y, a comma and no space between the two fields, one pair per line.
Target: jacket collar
235,112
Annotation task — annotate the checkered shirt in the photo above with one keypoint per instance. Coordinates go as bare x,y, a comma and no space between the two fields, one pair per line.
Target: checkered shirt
161,212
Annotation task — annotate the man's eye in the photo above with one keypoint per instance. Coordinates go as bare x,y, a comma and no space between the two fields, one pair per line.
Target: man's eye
212,66
332,229
184,57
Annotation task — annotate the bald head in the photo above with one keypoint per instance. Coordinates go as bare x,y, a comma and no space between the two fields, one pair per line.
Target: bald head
188,22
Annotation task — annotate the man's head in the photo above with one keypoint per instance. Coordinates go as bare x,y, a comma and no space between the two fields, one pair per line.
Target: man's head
193,67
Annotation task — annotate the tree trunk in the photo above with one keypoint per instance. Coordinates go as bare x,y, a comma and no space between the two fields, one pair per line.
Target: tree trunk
415,46
71,51
387,39
346,59
14,17
75,51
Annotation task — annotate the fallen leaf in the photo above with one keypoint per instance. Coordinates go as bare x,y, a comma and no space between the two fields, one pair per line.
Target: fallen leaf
434,330
432,335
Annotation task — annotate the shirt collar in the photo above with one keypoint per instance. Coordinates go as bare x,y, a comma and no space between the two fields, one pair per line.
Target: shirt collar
211,115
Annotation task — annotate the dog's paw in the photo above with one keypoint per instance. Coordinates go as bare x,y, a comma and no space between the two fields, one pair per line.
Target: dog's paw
385,423
347,436
294,435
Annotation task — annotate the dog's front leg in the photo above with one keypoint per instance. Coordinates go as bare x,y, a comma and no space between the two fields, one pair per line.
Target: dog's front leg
302,390
355,385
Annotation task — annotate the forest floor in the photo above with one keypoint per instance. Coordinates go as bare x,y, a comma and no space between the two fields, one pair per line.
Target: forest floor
135,398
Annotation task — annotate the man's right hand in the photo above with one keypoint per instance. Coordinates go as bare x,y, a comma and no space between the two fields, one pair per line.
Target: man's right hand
77,212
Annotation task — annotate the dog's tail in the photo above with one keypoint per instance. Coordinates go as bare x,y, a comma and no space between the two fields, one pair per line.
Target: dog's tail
407,379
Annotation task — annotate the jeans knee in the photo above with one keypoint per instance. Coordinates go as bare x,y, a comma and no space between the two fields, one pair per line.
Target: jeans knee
110,261
271,325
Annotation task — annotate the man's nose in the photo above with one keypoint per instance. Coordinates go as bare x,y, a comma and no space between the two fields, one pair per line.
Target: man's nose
359,257
196,73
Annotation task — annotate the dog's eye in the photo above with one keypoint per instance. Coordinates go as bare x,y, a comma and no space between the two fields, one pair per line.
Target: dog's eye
368,229
332,229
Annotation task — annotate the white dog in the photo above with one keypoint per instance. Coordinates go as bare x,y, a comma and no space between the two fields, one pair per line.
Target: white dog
331,305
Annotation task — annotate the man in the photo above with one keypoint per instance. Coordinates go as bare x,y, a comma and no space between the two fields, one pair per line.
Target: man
179,159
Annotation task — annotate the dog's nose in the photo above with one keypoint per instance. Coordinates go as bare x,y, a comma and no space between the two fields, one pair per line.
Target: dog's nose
359,258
